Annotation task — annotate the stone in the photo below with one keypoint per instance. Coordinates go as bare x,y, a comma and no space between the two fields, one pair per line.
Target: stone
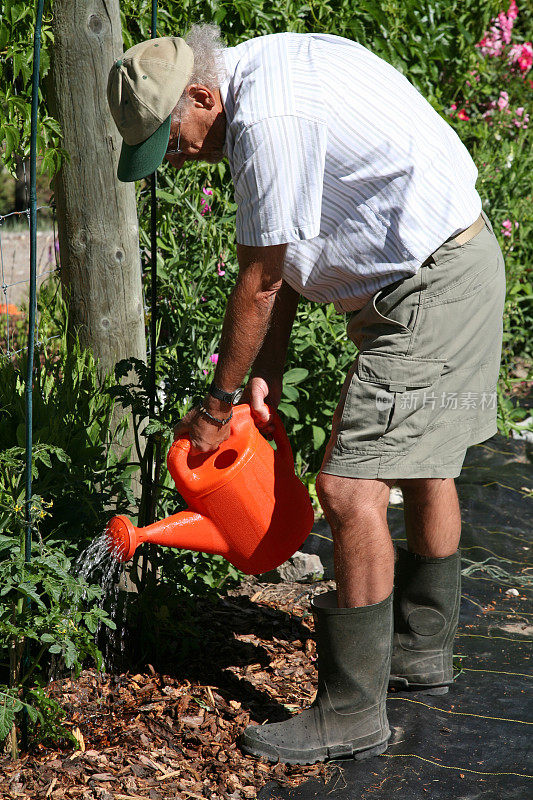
396,496
301,567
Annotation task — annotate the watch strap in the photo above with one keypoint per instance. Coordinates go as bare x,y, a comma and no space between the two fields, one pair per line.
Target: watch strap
225,397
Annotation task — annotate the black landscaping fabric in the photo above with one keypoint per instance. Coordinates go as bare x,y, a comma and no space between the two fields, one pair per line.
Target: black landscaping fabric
474,742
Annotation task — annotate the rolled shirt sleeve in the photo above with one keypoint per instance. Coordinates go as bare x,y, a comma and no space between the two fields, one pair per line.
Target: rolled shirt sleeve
278,175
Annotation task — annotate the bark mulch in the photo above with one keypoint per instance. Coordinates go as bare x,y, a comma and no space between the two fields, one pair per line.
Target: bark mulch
172,733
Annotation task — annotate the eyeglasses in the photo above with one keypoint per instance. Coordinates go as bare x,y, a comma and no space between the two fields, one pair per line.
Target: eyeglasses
175,151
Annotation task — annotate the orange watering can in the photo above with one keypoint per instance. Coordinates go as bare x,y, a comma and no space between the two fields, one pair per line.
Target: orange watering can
245,502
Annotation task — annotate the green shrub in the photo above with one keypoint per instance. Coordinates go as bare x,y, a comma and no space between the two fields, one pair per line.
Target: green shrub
72,414
43,606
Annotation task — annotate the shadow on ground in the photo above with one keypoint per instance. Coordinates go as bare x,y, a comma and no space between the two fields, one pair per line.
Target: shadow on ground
473,743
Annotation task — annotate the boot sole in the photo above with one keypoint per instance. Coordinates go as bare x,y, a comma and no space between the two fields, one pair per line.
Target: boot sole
403,685
305,757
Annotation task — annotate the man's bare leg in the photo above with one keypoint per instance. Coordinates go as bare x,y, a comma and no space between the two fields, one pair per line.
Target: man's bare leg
432,516
356,510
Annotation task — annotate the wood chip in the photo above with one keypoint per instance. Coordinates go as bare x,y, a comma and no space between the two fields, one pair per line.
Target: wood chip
130,797
169,775
79,738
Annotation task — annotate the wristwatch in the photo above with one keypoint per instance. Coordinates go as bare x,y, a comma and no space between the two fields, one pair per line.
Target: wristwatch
227,397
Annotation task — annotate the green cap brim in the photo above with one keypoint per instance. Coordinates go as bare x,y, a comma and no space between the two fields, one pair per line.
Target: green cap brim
140,160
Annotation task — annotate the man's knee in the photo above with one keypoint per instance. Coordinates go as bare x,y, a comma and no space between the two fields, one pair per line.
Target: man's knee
348,500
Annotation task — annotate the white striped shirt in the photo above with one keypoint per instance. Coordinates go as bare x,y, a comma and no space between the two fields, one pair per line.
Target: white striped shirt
333,152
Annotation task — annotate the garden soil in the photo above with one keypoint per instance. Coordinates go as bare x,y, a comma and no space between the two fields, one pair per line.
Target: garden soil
169,731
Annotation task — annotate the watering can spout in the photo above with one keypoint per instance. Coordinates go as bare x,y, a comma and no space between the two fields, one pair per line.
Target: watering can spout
187,530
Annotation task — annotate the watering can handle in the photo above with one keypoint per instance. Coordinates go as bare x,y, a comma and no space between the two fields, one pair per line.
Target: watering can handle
282,440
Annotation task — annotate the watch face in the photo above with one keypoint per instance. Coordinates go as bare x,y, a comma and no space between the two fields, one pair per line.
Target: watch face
237,396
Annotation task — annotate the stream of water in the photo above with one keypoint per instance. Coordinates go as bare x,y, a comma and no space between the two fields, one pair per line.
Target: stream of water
97,565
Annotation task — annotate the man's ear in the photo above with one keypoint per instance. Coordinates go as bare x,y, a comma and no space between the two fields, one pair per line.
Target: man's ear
201,96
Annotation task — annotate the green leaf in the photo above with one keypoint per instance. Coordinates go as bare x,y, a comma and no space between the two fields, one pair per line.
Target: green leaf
40,454
9,705
289,410
296,375
319,436
291,393
71,654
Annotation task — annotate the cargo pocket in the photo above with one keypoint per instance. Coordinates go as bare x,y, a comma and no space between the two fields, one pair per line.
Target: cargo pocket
389,402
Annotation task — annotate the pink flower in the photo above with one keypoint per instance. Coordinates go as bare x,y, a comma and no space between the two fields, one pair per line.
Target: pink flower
503,100
491,44
220,267
507,227
205,207
463,115
453,106
500,31
214,358
521,122
522,54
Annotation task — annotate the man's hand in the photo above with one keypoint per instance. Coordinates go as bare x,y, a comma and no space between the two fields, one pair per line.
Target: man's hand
264,396
205,436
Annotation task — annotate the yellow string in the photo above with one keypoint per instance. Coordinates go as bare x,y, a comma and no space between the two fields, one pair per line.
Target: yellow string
495,672
505,486
460,713
320,536
484,636
504,533
502,582
501,558
494,450
465,597
448,766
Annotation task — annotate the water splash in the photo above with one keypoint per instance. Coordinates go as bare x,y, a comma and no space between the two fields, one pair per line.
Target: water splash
99,565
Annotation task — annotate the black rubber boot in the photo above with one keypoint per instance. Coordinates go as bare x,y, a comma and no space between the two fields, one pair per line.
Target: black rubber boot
348,716
427,595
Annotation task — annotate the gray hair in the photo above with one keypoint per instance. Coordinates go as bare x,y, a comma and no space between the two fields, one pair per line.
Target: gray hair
209,69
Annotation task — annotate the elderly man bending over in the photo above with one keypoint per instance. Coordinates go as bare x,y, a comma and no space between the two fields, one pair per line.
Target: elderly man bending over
350,189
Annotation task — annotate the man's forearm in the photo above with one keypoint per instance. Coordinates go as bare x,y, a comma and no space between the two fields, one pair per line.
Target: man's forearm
248,312
271,357
246,322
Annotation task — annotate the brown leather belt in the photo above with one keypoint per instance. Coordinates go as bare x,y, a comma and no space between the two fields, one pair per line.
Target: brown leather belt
469,233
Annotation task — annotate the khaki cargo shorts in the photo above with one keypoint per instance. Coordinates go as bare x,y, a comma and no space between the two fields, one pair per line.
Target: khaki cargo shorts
423,386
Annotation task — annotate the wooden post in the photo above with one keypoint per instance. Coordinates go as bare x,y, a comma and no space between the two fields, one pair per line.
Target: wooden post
97,215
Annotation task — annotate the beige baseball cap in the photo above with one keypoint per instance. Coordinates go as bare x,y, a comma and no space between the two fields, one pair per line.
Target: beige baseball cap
143,88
